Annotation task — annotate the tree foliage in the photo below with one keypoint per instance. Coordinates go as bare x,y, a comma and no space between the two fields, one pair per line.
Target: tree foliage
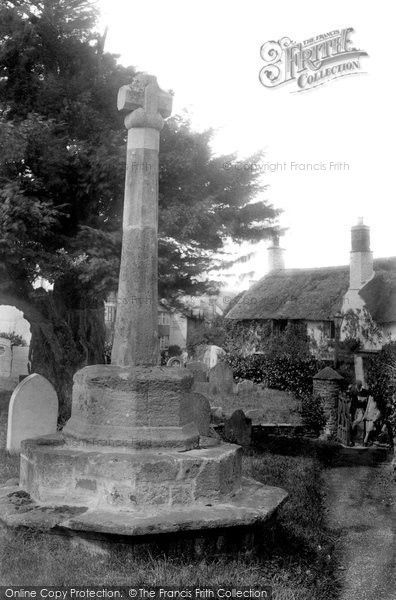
15,338
62,169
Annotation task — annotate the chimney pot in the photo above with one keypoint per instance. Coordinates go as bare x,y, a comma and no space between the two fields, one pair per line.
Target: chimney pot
276,259
361,264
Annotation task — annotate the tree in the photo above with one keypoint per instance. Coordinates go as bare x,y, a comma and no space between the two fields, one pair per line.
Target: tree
202,206
62,168
61,172
15,338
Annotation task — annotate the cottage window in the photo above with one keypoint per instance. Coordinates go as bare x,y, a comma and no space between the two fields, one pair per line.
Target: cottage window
164,342
329,330
110,313
279,325
163,318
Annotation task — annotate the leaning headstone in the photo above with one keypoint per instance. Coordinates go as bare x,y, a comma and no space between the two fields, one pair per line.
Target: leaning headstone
256,416
198,369
246,385
221,379
33,411
201,387
211,355
217,415
238,429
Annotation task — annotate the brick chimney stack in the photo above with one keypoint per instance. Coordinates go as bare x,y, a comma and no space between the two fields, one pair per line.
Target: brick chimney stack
361,262
276,259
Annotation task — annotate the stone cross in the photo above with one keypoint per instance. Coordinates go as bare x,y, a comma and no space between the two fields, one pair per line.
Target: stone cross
136,327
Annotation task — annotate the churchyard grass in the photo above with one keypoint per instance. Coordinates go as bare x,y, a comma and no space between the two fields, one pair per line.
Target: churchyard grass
297,558
277,406
9,466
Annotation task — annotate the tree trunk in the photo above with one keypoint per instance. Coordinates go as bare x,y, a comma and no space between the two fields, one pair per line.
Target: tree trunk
68,333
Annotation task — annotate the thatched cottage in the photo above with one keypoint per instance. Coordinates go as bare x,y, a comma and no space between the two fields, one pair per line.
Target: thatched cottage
359,298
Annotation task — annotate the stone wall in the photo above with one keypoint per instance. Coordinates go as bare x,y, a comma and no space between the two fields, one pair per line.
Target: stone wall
328,392
5,396
19,365
327,384
7,386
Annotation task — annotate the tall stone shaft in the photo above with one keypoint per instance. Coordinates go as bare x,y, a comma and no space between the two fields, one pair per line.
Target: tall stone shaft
136,327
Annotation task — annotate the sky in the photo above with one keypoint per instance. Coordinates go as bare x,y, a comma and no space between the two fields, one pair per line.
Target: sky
208,53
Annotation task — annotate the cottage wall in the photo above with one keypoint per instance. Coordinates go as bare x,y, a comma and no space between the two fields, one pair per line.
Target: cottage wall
178,330
354,302
319,335
389,331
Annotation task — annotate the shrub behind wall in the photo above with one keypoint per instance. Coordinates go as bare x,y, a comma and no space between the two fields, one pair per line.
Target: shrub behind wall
284,372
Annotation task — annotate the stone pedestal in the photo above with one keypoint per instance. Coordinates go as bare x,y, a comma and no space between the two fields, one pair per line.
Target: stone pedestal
327,385
131,461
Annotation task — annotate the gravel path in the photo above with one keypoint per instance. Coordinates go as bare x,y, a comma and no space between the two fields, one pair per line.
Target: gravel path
361,504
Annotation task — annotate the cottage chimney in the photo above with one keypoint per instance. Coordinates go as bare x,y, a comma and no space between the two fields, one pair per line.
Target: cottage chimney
361,264
276,259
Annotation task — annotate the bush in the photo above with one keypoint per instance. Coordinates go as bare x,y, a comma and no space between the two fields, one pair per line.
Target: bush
283,372
381,378
208,334
312,414
174,350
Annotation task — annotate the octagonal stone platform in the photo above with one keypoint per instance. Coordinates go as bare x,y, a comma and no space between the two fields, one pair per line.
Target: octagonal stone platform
53,471
236,523
131,464
139,407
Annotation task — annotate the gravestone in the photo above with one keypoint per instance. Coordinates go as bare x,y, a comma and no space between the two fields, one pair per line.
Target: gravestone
221,379
217,415
198,369
246,385
255,415
238,429
198,411
211,355
33,411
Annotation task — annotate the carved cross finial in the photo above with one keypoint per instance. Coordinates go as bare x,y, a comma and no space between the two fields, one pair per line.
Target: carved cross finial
147,104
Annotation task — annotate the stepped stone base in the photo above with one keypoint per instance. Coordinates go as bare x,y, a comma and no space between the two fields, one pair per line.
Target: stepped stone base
132,464
234,523
52,471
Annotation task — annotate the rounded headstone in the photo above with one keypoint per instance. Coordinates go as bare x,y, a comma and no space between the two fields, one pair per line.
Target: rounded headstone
33,411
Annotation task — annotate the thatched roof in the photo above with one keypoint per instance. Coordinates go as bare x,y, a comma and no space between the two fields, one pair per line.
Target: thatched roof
316,294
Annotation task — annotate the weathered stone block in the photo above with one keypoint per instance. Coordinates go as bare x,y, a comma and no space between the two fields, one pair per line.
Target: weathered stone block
181,494
125,478
157,471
